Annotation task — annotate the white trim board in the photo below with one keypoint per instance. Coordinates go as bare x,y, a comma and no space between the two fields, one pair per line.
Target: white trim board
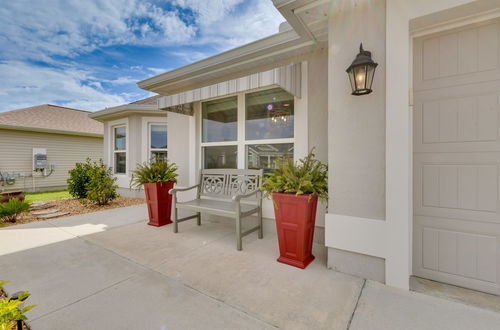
360,235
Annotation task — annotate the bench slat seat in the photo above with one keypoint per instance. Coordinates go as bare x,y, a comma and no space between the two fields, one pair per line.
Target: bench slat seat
220,192
217,207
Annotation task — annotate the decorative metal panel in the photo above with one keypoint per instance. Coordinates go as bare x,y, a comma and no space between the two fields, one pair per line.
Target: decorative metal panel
287,77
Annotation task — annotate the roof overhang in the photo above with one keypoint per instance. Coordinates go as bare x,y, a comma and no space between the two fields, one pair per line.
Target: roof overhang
48,130
126,110
287,77
309,19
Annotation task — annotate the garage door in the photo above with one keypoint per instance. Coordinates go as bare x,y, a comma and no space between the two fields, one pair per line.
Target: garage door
456,219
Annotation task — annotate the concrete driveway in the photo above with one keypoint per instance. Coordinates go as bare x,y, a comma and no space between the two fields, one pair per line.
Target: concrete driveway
109,270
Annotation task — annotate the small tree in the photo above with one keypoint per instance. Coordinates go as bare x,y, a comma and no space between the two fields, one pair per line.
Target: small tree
78,179
101,188
10,210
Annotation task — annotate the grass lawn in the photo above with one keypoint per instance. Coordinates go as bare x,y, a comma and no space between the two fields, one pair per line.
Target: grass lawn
46,196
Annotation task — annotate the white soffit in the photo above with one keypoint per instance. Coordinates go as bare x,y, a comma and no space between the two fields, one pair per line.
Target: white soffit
287,77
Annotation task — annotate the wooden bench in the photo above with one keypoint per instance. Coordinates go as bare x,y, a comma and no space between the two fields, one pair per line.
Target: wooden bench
225,192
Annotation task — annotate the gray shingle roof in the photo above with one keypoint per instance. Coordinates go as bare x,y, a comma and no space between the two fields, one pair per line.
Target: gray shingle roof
153,100
52,117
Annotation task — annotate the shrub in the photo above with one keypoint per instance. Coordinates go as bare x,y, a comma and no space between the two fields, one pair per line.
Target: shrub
10,210
10,310
307,176
153,171
79,178
101,188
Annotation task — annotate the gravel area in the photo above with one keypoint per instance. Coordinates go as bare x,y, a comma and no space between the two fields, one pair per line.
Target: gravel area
75,206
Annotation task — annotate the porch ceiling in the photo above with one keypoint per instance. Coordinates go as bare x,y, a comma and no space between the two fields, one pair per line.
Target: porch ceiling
287,77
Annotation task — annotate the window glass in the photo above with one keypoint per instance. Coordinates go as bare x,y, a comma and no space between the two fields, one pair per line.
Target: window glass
120,162
264,156
269,115
158,136
159,156
220,120
220,157
120,138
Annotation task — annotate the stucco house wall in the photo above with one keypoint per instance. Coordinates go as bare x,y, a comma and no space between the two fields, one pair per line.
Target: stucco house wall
63,151
136,118
311,127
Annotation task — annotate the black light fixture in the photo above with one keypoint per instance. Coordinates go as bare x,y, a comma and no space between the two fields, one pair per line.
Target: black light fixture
361,72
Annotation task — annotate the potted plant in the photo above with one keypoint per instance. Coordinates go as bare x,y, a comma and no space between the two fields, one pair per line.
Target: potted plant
157,177
295,189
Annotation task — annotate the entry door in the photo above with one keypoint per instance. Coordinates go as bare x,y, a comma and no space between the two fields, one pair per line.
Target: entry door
456,231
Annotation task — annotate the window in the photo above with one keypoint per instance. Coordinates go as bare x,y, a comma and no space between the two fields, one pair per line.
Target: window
267,130
269,115
265,155
120,149
220,157
158,142
220,120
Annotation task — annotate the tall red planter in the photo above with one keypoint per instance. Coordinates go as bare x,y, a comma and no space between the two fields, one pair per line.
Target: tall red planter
295,219
159,202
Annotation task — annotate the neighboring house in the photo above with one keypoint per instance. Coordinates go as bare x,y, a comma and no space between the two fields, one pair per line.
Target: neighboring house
414,167
133,133
40,144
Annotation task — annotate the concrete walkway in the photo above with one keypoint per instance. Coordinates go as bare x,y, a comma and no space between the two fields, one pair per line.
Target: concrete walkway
109,270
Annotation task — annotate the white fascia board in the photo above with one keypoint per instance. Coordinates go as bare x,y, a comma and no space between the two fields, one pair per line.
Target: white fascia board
124,110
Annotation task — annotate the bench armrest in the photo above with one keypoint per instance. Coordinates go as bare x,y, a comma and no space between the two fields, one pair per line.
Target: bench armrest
175,190
238,197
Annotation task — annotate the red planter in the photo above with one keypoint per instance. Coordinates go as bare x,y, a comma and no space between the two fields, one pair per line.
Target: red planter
159,202
295,218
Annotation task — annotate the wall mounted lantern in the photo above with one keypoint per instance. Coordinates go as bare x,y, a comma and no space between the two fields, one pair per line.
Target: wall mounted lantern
361,72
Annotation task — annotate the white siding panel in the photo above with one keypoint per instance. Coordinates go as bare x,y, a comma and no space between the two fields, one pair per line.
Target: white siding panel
63,151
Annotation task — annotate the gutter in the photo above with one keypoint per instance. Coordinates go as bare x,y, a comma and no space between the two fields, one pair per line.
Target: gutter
48,130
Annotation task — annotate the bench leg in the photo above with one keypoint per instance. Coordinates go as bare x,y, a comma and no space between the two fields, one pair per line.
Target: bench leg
198,219
176,224
238,232
261,229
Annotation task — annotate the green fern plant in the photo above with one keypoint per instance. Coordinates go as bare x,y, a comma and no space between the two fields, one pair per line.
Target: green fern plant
307,176
11,311
153,171
10,210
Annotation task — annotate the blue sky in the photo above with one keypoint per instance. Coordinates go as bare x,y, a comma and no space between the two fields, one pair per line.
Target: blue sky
89,54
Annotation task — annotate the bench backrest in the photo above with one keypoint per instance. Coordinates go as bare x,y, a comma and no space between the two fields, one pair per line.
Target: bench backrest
226,183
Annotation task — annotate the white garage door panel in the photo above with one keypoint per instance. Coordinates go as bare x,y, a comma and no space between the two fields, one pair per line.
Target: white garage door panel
451,188
457,157
458,119
459,57
467,257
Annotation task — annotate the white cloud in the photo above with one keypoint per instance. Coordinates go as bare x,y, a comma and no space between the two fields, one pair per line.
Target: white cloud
24,85
70,27
48,31
222,25
157,71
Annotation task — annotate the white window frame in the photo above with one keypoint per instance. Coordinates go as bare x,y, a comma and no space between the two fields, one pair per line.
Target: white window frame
114,151
146,136
241,141
151,150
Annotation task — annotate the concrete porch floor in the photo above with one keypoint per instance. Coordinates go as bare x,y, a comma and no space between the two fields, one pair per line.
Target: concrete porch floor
109,270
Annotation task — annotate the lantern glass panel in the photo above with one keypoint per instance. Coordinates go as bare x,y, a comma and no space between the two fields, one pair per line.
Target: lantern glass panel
369,76
360,77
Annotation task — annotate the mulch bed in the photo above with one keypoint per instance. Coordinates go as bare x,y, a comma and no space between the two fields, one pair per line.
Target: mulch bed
75,206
